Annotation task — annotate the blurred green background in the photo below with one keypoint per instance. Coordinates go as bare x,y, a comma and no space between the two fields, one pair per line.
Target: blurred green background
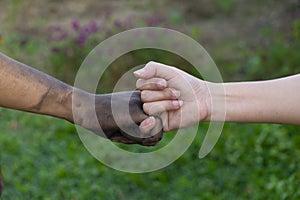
43,157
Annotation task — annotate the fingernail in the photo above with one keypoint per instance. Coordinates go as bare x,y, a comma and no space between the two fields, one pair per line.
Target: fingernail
147,122
178,103
175,93
139,72
162,83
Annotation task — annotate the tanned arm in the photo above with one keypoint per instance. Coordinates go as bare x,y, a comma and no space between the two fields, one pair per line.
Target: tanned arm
27,89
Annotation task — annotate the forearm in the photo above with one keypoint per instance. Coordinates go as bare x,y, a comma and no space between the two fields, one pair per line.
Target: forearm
274,101
27,89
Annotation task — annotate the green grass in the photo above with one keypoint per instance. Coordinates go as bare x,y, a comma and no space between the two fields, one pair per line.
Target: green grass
43,158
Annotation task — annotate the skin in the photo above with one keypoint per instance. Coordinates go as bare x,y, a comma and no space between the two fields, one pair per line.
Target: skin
181,99
27,89
120,126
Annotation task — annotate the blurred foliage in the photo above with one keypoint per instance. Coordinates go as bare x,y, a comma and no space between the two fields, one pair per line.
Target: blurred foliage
69,49
275,57
42,157
226,6
69,46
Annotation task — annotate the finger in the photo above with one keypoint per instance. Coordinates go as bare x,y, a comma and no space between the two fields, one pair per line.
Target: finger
151,84
153,140
146,143
136,108
156,134
154,95
117,137
147,125
154,108
123,140
154,69
151,137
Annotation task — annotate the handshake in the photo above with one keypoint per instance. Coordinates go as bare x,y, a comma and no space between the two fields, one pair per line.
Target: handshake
164,100
163,103
167,99
141,116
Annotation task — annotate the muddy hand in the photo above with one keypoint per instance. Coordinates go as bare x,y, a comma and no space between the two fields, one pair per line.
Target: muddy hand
121,118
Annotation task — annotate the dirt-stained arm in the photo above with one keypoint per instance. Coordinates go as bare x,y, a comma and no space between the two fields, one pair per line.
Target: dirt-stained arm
27,89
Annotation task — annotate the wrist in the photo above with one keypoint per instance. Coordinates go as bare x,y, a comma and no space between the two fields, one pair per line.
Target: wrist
215,102
206,106
93,112
82,107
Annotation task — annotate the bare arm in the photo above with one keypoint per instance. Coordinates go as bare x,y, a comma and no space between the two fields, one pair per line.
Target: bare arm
273,101
27,89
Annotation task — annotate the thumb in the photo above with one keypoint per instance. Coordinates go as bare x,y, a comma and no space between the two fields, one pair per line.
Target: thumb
155,70
147,125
